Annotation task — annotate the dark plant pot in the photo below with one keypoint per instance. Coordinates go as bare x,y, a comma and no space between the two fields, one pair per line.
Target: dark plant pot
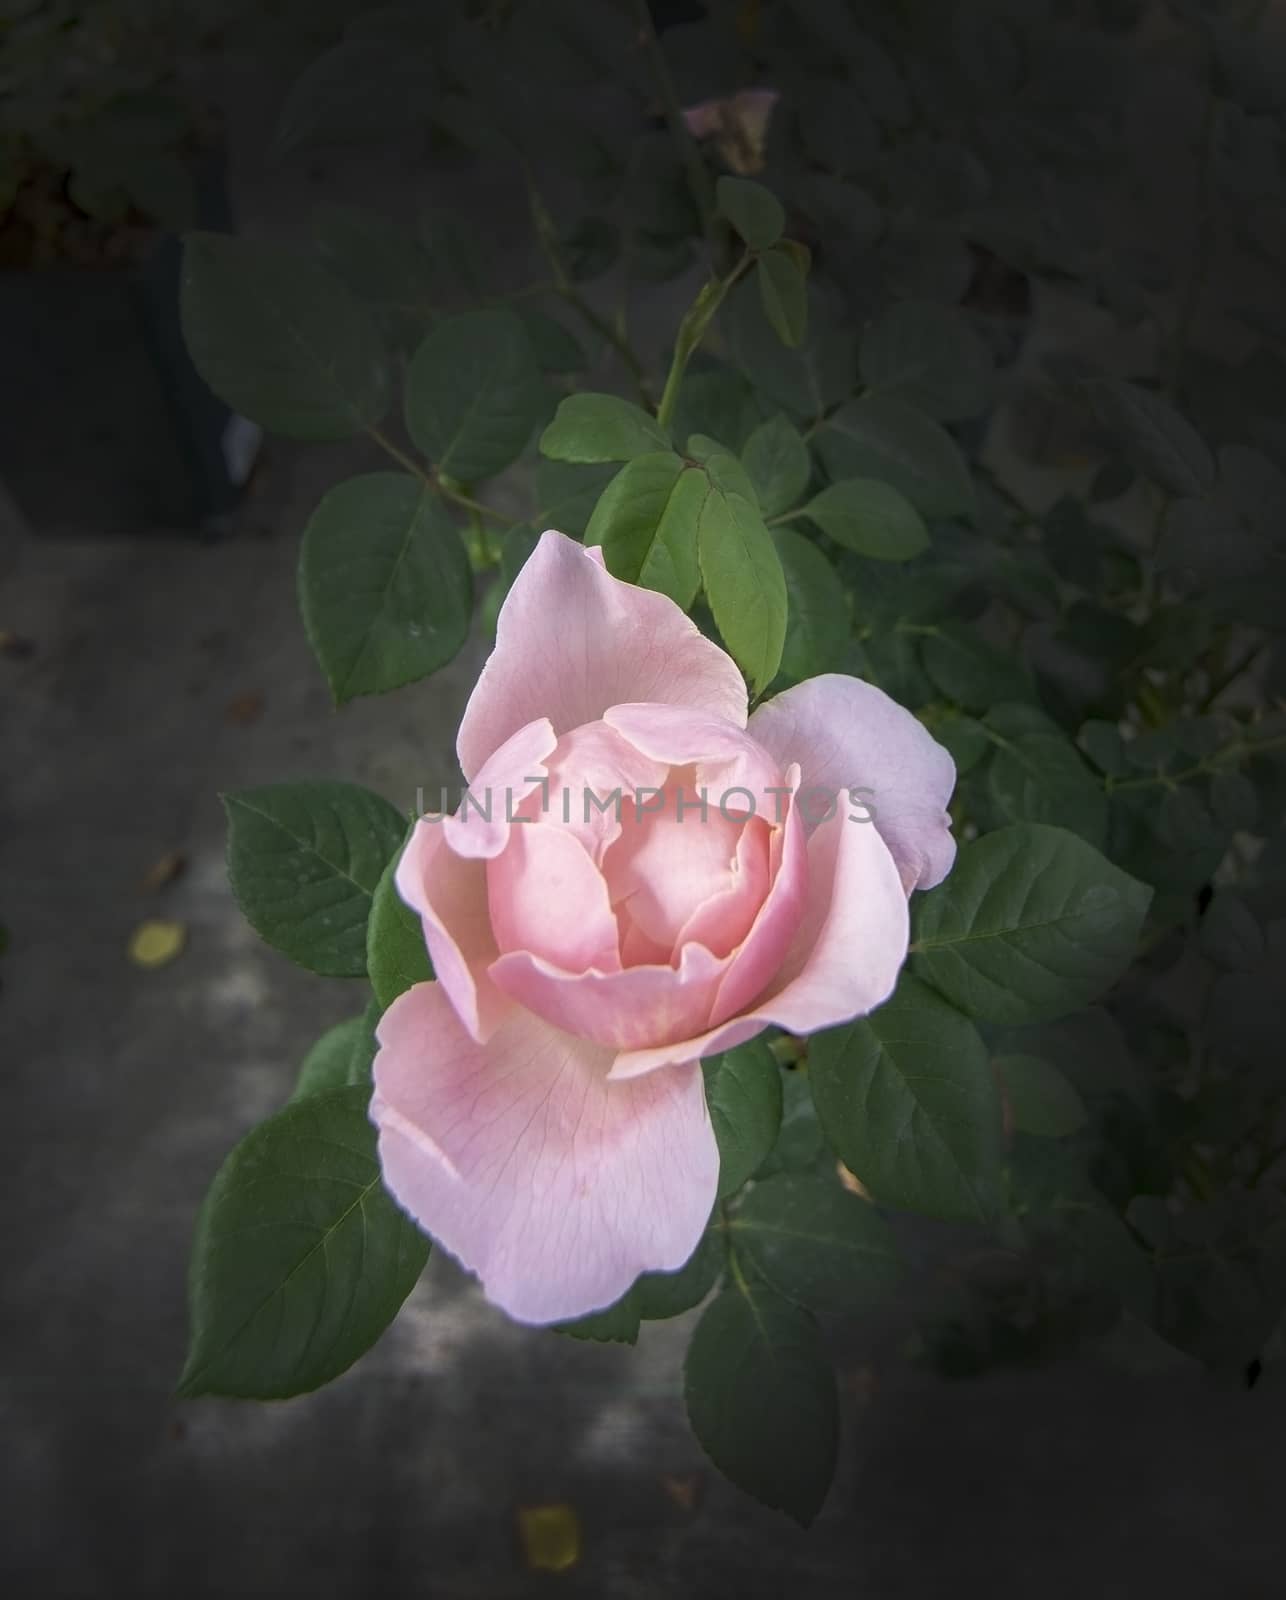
105,425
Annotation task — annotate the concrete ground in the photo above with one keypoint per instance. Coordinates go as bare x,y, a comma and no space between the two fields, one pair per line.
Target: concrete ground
163,670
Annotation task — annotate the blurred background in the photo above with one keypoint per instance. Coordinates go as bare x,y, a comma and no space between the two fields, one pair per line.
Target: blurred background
151,655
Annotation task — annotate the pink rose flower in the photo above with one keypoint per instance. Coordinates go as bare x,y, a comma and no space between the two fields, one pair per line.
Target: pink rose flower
540,1106
739,125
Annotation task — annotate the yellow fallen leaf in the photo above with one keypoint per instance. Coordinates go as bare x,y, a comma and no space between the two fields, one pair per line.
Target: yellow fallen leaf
153,943
550,1537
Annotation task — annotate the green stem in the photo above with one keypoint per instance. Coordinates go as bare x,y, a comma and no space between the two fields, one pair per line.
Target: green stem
478,527
1229,756
691,330
698,174
738,1275
433,480
614,337
399,455
476,508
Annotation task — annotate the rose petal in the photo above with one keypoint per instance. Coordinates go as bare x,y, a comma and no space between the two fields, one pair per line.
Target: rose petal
572,640
847,734
622,1010
450,895
843,962
723,920
724,757
591,765
480,828
555,1186
548,897
759,957
668,865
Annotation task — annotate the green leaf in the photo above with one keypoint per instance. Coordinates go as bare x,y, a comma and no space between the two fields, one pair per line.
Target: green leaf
384,584
964,738
567,493
716,402
281,340
800,1146
817,621
654,1296
397,957
755,212
601,427
930,356
815,1242
474,394
1159,442
761,1398
744,584
341,1058
553,344
301,1259
1103,744
970,671
359,89
646,522
614,1324
776,461
661,1295
1038,775
1041,1101
870,518
907,1099
303,862
743,1094
1031,923
882,437
383,264
722,467
1233,800
803,382
783,292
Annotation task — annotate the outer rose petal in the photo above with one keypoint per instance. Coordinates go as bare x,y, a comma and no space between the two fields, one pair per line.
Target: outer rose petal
450,894
843,962
481,826
847,734
520,1158
571,641
622,1010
